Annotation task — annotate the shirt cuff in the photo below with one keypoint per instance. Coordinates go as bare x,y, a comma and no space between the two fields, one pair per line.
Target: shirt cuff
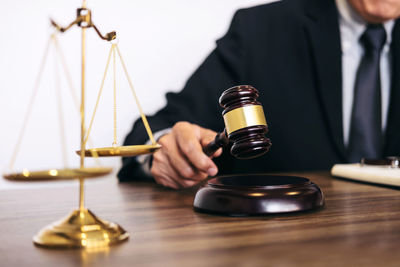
145,160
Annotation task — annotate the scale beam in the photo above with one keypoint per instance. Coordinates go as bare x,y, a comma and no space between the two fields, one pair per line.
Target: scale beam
84,20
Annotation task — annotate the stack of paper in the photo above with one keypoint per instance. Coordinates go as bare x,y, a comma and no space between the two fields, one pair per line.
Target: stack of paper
368,173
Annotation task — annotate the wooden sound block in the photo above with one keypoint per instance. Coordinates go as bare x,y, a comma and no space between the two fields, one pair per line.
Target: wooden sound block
257,194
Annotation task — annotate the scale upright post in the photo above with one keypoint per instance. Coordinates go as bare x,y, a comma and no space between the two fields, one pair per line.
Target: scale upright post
82,113
82,228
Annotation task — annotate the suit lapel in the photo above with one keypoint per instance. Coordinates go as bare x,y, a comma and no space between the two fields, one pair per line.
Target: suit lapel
392,144
322,27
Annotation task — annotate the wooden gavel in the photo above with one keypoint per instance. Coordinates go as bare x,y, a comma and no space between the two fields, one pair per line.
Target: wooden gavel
245,124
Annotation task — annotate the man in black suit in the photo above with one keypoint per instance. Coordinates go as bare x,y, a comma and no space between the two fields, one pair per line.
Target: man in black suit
302,57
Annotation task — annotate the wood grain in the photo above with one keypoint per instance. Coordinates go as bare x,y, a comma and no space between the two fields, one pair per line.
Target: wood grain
359,226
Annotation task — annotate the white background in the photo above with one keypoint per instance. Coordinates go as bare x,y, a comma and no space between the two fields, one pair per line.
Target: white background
162,42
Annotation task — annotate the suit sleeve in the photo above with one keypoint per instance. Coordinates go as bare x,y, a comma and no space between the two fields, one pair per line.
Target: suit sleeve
198,101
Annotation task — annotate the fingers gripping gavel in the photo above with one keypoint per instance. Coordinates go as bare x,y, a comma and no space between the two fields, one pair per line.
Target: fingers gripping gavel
245,124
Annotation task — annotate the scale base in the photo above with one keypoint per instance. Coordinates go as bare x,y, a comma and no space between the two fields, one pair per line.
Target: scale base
80,229
257,194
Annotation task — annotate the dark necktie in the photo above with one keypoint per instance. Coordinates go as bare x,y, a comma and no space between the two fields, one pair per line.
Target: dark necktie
366,127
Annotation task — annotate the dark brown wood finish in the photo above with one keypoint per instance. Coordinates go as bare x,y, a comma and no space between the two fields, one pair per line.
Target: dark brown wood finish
359,226
249,142
257,194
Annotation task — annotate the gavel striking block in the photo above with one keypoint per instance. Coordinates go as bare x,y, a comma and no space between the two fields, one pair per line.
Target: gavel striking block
251,194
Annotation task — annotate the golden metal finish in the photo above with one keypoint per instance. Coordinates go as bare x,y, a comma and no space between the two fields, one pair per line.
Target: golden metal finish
144,119
115,100
31,102
244,117
57,174
82,113
84,20
99,93
84,17
81,229
124,151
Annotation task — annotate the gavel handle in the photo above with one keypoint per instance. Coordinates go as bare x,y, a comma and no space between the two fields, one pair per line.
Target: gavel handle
220,140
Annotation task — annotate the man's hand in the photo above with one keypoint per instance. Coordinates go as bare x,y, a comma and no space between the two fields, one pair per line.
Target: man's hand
181,162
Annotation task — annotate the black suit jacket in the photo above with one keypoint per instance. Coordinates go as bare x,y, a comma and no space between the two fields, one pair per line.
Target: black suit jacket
291,52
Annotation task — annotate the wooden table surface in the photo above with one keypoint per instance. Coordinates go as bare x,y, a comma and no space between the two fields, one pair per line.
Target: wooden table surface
359,226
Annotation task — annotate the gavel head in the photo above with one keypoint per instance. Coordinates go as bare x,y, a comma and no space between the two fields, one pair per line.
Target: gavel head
245,122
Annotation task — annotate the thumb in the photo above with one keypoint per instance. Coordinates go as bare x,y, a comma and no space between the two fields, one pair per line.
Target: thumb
206,137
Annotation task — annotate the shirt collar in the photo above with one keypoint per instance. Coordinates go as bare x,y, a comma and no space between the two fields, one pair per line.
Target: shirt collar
352,26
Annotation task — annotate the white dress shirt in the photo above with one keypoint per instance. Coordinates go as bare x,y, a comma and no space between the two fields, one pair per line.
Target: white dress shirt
352,26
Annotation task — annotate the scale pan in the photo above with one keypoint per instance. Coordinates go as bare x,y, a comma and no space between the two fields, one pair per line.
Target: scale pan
57,174
125,151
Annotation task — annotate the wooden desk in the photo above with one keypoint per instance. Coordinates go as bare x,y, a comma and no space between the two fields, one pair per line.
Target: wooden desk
360,225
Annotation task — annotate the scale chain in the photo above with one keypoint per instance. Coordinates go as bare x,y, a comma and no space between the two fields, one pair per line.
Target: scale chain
115,100
144,119
72,91
60,110
30,105
99,94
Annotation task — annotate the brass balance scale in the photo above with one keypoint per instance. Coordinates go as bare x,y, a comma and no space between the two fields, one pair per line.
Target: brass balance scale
82,228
